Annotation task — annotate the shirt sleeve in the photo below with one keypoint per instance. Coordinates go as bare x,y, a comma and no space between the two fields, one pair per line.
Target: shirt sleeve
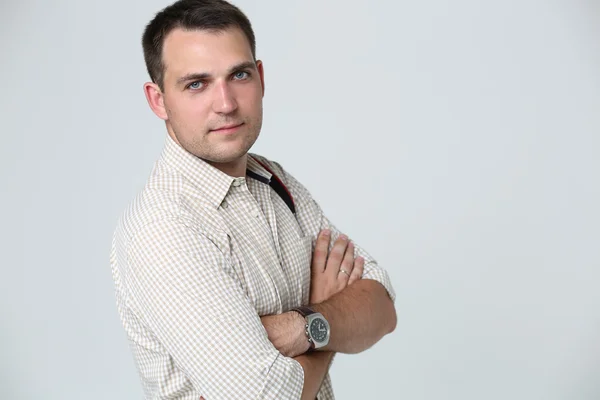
312,219
183,287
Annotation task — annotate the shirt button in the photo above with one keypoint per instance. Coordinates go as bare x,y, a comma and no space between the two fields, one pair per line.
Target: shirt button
236,183
224,204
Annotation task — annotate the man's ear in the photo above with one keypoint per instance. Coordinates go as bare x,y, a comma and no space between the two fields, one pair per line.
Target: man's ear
155,99
261,73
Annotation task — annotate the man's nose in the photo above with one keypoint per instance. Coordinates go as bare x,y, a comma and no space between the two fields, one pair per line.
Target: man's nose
224,101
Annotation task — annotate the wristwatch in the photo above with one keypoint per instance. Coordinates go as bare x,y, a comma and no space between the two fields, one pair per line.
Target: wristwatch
317,327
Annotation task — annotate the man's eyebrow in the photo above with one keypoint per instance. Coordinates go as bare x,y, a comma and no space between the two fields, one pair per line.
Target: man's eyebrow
193,77
243,65
199,76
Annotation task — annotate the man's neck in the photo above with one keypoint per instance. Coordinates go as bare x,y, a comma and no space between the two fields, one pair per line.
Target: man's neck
236,168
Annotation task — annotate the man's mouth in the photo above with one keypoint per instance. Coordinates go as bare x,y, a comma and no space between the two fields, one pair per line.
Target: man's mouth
225,129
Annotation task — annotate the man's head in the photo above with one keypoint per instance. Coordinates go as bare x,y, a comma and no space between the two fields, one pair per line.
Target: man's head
200,55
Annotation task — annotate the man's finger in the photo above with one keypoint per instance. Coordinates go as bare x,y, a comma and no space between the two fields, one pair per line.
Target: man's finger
347,263
321,250
359,267
336,255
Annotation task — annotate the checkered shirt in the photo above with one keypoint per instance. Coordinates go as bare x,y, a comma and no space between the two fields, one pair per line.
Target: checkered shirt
197,258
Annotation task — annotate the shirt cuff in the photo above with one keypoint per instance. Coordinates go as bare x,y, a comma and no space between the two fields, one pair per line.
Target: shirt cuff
380,275
289,388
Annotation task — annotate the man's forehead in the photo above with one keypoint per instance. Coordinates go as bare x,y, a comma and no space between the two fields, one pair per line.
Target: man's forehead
204,51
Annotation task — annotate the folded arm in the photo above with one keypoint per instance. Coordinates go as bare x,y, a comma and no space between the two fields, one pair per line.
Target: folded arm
363,312
359,316
186,293
359,311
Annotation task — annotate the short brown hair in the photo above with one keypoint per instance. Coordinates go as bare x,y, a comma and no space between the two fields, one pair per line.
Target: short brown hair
210,15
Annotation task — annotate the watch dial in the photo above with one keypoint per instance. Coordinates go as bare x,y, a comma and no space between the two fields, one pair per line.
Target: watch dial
318,330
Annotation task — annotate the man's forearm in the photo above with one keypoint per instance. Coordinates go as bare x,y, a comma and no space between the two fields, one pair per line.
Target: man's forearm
315,365
286,332
359,316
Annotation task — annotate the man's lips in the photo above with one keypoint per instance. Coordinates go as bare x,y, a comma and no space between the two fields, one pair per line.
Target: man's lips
227,128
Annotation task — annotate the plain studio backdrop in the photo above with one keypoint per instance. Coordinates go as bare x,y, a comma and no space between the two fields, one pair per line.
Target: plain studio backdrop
456,141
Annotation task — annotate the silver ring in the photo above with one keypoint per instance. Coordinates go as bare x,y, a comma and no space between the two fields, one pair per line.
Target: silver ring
344,271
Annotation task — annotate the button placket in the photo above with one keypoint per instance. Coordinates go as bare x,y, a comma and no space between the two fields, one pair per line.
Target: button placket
235,187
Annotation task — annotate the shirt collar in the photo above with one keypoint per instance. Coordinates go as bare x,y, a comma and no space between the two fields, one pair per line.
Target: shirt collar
213,183
256,171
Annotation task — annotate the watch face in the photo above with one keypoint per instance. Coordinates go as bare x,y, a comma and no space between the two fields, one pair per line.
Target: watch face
318,330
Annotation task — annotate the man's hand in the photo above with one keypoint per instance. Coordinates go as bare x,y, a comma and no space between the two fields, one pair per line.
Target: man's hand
286,331
331,274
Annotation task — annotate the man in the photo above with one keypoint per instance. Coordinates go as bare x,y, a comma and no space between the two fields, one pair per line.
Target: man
213,258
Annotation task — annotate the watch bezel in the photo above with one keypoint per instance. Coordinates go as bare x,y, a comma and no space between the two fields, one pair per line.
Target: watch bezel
309,321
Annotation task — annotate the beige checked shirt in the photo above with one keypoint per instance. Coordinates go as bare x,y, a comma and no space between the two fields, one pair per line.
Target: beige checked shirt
197,258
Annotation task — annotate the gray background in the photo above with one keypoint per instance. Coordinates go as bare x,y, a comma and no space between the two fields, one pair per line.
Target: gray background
456,140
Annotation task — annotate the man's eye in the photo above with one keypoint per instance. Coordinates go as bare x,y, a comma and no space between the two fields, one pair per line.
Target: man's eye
195,85
241,75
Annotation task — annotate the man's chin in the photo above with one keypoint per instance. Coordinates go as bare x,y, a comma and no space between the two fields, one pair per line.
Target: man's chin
223,150
226,156
233,150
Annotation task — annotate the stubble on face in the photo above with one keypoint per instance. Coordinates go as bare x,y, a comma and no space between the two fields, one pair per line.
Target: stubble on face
199,140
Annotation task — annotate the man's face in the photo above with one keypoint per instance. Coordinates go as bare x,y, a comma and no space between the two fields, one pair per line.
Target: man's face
212,93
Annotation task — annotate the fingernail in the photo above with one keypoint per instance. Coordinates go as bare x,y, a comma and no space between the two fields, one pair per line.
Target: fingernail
326,232
343,237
